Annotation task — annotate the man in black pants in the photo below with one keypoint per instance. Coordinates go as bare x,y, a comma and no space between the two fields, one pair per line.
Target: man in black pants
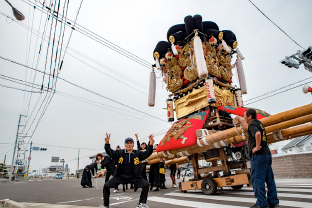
128,168
141,147
261,161
173,170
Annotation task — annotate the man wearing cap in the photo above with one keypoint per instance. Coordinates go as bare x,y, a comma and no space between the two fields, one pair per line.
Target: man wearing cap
128,168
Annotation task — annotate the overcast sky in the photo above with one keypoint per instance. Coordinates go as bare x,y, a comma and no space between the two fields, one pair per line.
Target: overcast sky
135,26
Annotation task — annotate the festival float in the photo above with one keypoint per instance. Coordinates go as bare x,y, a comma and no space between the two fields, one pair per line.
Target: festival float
197,63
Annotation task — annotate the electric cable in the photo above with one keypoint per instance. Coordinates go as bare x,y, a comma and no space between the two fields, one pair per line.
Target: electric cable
104,42
19,89
75,98
277,93
78,86
276,25
158,94
278,89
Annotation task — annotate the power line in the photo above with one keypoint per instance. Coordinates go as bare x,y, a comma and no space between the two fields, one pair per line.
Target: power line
19,89
278,93
90,102
278,89
78,86
105,42
103,66
276,24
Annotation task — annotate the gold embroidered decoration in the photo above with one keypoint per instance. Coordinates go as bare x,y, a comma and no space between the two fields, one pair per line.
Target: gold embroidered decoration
120,161
174,84
178,129
136,161
192,102
224,97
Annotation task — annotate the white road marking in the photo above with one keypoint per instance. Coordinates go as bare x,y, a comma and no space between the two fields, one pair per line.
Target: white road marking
123,202
295,186
189,203
302,196
79,200
292,190
240,199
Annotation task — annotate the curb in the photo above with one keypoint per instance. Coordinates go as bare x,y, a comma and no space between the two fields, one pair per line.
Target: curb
10,203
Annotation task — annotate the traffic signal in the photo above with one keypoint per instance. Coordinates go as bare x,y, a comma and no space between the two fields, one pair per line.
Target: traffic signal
290,63
43,149
307,53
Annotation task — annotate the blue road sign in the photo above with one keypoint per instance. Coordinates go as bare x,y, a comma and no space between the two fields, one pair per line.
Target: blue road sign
35,148
66,168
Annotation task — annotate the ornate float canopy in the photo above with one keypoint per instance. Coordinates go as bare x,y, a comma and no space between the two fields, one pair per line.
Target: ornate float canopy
195,63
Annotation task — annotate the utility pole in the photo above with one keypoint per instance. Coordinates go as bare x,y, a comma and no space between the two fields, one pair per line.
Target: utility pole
29,156
3,167
12,164
78,162
62,160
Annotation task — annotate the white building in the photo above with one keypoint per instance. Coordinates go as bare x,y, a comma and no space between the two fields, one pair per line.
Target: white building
300,144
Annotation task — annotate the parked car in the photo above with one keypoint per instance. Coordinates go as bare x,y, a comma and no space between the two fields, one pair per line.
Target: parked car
58,176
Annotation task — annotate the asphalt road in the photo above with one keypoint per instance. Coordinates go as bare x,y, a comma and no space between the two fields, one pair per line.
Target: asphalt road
58,193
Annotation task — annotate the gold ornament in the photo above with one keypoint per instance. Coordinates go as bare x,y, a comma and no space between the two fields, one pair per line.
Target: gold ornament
171,39
220,36
156,55
235,44
120,161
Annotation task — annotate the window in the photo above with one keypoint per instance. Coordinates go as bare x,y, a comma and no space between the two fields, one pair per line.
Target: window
308,148
290,150
301,149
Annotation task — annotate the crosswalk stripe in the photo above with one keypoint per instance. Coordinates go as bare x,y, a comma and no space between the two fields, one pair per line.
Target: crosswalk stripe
285,189
303,196
189,203
295,186
239,199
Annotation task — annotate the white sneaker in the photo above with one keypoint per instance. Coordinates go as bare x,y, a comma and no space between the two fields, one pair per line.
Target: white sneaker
174,186
142,205
115,191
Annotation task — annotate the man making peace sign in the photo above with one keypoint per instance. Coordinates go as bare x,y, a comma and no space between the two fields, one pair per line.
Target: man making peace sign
128,168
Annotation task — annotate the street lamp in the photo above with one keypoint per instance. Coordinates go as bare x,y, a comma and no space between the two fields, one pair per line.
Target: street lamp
18,15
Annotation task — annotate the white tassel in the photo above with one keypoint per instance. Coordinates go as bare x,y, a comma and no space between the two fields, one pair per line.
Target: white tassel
241,76
200,58
225,46
152,89
157,64
239,97
239,53
174,50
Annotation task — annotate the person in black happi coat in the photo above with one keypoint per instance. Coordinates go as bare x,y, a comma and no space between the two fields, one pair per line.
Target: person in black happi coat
86,179
128,168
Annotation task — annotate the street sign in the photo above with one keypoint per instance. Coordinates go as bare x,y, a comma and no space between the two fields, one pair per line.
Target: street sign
66,168
35,148
55,159
29,158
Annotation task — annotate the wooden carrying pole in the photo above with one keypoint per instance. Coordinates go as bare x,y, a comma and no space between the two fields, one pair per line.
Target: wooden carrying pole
178,160
215,140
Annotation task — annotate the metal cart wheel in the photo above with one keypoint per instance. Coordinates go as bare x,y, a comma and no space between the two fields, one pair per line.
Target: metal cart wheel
209,186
